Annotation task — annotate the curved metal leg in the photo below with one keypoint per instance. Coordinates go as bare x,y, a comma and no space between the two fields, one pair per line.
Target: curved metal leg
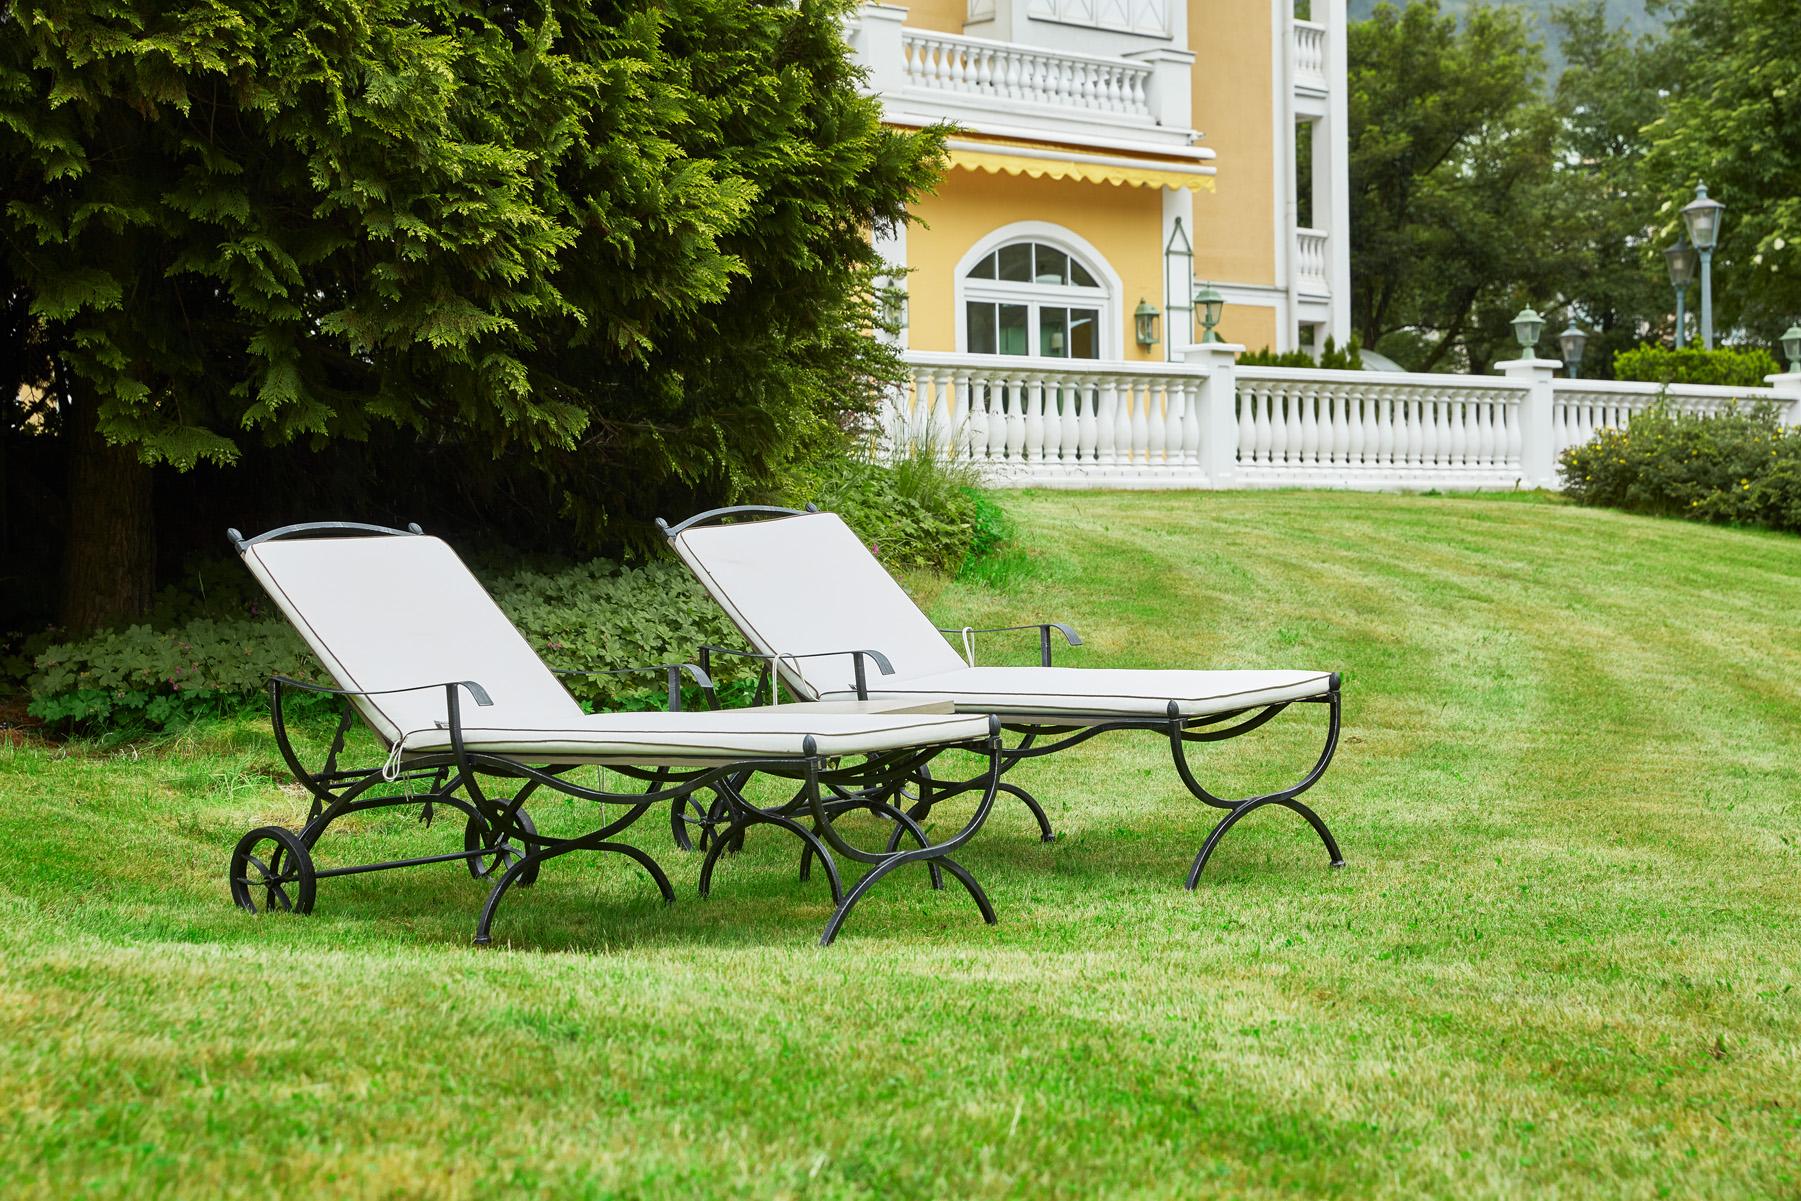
1237,809
1045,833
836,922
531,863
723,841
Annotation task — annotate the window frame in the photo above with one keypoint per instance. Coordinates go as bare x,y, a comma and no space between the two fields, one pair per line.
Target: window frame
1102,298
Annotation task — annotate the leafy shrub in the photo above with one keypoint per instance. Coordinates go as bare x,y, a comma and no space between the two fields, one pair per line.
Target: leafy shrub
1742,467
590,616
1331,357
918,512
1730,367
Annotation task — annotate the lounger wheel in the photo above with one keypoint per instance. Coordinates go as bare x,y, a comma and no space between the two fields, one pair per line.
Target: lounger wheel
483,866
271,869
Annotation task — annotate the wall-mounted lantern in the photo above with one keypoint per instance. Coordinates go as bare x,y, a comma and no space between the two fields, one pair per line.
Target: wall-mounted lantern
1144,322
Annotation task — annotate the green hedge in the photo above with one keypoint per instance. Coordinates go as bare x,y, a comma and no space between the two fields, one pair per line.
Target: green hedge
1730,367
1742,467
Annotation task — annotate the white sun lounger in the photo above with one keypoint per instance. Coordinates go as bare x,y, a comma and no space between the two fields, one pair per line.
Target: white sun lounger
419,651
800,585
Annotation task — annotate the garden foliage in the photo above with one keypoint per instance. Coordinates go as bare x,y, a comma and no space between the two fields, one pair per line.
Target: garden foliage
1332,357
1740,468
210,646
1730,366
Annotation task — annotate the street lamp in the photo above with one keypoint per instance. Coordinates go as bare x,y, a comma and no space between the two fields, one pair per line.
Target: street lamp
1209,302
1526,328
1791,347
1144,318
1573,341
1681,259
1702,216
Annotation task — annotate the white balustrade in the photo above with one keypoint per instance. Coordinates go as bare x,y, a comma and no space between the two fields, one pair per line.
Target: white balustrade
1311,259
1310,55
1075,423
945,62
1580,408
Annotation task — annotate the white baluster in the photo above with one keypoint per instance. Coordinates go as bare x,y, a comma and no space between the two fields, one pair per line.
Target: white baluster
1122,445
1191,422
978,418
1088,425
1297,399
1415,430
1016,418
1104,423
1141,422
1072,425
1054,392
1034,430
1266,427
1306,450
1175,401
1156,398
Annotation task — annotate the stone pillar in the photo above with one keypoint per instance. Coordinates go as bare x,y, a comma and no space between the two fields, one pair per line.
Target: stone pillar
1538,454
1788,395
874,35
1217,395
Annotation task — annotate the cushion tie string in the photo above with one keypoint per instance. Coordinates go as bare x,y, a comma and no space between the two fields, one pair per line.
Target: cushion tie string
390,770
969,645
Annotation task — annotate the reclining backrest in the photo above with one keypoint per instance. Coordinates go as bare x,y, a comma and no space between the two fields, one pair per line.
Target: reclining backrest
805,583
395,610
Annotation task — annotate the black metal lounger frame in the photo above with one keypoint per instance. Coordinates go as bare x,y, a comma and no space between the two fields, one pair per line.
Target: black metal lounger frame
1180,730
500,837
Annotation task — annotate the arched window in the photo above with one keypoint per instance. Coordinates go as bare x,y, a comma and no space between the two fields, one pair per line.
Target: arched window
1032,298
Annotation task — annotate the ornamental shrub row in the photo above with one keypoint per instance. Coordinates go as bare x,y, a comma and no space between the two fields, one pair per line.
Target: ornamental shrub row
1729,366
1742,467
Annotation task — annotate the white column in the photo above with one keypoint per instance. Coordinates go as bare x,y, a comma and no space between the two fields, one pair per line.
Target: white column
1332,169
1788,388
1538,449
874,34
1217,395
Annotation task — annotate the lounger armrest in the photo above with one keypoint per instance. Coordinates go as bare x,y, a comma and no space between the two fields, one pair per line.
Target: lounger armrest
475,690
1044,629
672,674
880,660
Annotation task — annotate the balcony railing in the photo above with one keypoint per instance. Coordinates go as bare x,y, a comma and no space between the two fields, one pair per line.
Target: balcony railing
1312,261
1310,55
949,63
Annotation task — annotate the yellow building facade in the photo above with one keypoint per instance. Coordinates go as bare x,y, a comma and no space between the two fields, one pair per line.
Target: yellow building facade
1110,156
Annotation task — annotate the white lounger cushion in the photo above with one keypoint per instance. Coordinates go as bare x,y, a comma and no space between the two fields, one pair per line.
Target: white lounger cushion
1109,692
796,585
806,583
394,611
732,735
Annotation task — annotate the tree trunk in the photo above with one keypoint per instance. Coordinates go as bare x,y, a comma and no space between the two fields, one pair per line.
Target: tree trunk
109,563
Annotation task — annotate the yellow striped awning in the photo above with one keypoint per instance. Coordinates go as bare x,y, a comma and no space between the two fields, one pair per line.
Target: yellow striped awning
1092,170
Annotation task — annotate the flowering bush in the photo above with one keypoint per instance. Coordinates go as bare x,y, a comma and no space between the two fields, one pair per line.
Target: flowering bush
1742,467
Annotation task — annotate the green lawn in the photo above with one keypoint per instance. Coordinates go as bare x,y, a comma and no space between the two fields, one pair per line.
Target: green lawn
1564,959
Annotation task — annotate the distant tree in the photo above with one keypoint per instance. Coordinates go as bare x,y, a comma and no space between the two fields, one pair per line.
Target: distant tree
1451,146
1613,278
1733,121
